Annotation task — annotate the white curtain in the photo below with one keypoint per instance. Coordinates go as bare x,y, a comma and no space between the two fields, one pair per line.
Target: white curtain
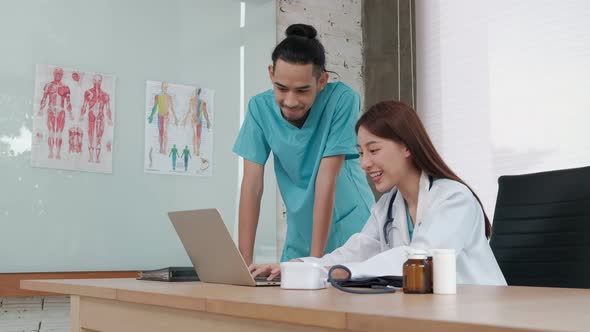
503,87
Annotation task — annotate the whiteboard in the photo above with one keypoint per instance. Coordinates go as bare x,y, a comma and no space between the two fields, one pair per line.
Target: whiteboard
64,220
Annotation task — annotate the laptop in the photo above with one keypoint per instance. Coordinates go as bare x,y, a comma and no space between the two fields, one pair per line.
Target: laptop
211,249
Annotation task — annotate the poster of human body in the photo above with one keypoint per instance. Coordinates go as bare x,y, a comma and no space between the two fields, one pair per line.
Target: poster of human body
73,120
178,129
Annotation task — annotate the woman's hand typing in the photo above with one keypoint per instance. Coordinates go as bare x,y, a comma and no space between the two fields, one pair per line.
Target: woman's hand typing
272,270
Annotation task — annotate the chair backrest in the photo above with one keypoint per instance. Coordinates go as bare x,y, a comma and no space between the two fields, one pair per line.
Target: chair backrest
541,228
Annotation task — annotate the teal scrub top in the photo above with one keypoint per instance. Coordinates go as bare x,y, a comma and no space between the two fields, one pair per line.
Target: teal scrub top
327,131
409,220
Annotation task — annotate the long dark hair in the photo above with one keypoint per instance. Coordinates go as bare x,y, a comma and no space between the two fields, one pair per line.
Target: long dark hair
400,123
301,47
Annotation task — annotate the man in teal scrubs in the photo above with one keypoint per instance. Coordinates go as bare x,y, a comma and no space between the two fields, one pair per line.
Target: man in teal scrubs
308,125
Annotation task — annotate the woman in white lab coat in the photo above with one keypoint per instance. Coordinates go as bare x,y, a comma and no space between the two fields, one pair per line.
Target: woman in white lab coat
425,205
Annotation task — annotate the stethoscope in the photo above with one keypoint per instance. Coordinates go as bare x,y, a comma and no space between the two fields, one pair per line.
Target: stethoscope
389,217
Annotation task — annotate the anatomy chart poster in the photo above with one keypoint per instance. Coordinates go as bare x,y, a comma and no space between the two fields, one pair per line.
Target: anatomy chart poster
73,120
178,129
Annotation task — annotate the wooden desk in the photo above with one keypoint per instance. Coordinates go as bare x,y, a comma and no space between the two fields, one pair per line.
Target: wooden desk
129,305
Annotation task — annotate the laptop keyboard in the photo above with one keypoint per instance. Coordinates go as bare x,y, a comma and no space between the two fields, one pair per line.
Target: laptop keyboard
263,278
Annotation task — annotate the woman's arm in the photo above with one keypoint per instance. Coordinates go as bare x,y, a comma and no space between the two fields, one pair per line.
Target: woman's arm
360,246
451,225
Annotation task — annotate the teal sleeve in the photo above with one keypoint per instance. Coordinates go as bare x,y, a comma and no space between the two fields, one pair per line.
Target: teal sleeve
342,137
251,143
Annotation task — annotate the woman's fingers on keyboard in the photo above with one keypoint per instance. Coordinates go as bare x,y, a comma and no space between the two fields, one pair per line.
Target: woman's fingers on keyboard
275,271
260,269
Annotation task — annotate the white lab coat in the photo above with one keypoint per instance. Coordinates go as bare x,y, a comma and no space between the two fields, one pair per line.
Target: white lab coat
447,217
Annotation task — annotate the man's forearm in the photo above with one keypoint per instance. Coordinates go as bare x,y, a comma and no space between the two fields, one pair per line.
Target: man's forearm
248,221
323,207
322,217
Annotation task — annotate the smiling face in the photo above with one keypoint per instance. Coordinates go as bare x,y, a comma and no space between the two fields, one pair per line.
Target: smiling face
385,161
295,88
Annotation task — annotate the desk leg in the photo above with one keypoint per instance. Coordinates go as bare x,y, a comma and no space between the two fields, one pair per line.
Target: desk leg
75,313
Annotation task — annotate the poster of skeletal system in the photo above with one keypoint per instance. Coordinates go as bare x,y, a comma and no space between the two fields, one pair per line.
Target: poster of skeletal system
178,129
73,120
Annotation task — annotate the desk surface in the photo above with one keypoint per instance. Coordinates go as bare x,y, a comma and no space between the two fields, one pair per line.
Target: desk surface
472,308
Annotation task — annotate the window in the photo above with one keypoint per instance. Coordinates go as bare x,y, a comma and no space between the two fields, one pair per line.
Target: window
502,86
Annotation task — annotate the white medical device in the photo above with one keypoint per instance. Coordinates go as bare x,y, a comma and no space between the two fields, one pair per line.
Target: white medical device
301,275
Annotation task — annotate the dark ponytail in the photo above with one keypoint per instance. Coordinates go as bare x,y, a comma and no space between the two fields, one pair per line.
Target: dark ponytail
301,47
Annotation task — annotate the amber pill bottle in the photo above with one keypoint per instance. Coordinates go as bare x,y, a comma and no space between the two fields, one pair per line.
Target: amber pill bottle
417,275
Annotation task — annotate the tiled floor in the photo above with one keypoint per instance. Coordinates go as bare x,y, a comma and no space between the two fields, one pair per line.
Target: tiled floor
35,314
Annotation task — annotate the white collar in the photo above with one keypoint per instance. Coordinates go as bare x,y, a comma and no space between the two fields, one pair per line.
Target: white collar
400,217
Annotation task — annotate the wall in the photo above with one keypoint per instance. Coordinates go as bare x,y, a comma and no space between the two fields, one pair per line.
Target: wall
56,220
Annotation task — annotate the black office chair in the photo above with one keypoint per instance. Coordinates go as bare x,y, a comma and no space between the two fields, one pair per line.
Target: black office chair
541,228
